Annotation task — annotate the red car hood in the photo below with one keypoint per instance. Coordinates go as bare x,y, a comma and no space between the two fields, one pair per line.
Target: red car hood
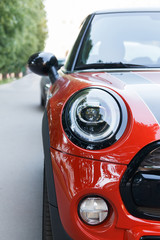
141,94
144,84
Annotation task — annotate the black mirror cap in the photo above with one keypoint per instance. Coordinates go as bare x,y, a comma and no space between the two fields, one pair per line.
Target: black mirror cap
41,63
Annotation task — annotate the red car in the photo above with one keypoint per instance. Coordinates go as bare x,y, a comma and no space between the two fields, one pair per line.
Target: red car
101,131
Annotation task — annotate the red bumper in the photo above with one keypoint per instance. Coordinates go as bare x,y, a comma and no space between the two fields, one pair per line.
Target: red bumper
97,178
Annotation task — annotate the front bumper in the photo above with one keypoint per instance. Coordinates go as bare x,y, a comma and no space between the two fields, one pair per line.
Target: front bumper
97,178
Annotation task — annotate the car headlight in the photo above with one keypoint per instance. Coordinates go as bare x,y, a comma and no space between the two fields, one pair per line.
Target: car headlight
93,210
94,118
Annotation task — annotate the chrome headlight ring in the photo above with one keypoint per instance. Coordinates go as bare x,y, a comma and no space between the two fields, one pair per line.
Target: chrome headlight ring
94,118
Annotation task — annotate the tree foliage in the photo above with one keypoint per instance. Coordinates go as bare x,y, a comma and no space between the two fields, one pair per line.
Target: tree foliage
23,31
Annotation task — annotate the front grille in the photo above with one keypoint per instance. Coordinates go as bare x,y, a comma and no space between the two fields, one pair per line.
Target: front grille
150,238
146,189
140,185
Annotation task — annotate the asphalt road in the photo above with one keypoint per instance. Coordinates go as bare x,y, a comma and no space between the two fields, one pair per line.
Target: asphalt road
21,160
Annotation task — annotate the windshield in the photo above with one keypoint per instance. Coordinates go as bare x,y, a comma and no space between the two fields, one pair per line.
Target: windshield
120,40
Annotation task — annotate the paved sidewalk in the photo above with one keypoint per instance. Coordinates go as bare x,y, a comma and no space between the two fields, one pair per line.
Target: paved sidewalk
21,160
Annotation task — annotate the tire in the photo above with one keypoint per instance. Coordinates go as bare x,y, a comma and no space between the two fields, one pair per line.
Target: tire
46,222
43,102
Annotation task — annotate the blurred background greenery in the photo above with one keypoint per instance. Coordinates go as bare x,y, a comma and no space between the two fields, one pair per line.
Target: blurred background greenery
23,30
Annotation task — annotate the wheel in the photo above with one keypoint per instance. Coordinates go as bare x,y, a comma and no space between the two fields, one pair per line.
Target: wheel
46,223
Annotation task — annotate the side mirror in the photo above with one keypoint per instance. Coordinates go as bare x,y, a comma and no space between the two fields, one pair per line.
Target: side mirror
44,64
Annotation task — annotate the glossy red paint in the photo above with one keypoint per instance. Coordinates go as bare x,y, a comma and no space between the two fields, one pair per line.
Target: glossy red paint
80,172
76,178
140,119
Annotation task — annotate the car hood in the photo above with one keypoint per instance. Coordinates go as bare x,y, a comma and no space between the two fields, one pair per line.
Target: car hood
145,84
120,79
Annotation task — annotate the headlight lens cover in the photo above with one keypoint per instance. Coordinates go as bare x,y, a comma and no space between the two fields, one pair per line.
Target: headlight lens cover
93,210
93,117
